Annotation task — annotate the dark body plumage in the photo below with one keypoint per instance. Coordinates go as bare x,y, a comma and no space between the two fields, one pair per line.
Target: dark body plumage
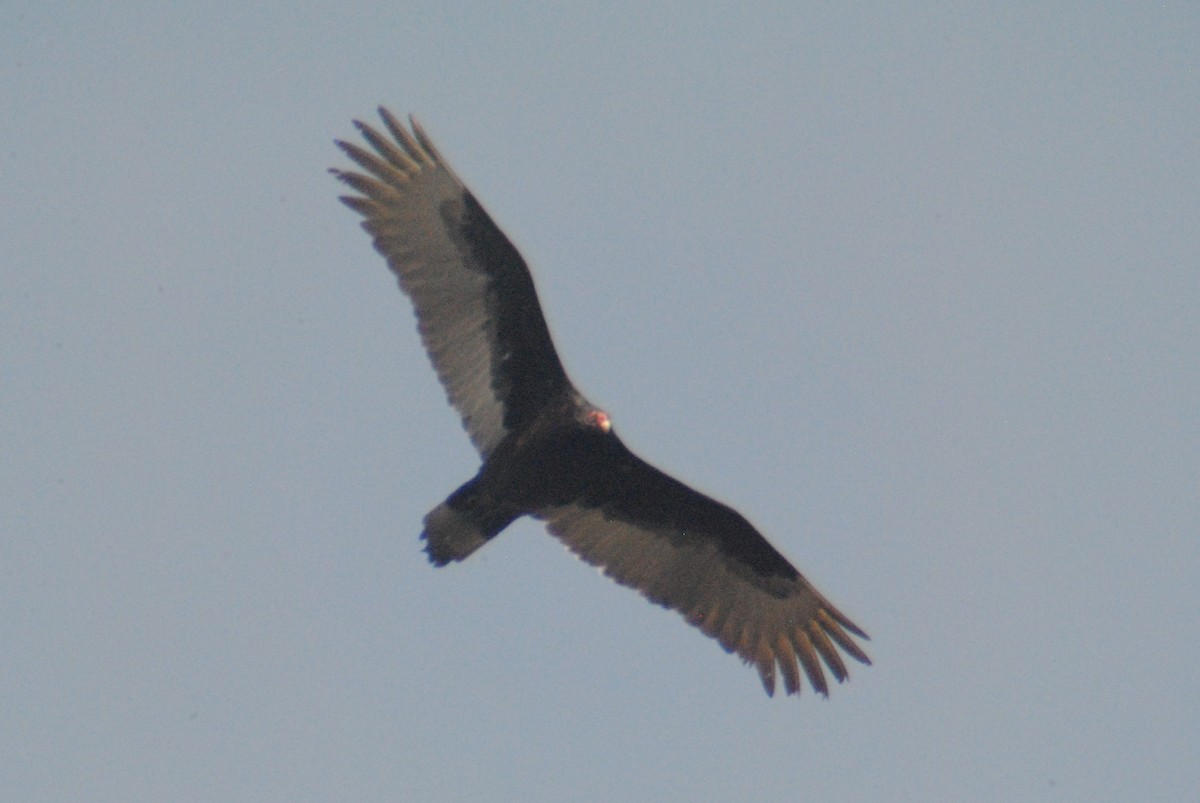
547,452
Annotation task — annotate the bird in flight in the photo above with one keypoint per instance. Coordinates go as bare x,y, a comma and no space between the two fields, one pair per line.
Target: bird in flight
547,452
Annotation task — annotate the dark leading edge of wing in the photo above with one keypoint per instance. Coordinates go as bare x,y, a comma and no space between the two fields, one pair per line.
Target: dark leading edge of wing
474,299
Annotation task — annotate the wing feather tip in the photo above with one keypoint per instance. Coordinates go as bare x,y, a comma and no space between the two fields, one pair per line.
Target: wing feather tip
786,657
767,675
833,628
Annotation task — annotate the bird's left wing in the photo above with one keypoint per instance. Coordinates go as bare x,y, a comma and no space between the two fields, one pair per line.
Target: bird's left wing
688,552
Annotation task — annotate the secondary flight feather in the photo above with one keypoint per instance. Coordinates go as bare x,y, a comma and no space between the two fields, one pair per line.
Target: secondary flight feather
549,453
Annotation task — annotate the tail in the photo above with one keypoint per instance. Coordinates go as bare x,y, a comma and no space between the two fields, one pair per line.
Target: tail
460,525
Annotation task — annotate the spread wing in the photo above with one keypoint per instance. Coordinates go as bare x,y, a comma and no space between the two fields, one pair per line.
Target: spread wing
476,307
692,554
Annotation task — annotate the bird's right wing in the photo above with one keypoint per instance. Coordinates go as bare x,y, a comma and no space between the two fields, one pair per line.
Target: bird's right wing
476,307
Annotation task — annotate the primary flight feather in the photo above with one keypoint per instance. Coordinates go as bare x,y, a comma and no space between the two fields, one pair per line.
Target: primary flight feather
549,453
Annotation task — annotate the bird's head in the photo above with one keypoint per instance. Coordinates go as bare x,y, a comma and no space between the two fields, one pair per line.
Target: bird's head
597,419
586,414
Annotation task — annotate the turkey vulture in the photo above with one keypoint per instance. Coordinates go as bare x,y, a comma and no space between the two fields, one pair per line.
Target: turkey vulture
549,453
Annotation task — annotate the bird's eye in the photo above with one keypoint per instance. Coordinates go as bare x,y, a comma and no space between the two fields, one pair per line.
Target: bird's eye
599,419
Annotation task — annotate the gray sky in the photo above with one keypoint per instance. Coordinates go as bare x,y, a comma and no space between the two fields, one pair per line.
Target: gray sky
914,290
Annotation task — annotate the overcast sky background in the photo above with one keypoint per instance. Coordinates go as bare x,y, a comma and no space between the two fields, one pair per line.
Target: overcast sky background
916,290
